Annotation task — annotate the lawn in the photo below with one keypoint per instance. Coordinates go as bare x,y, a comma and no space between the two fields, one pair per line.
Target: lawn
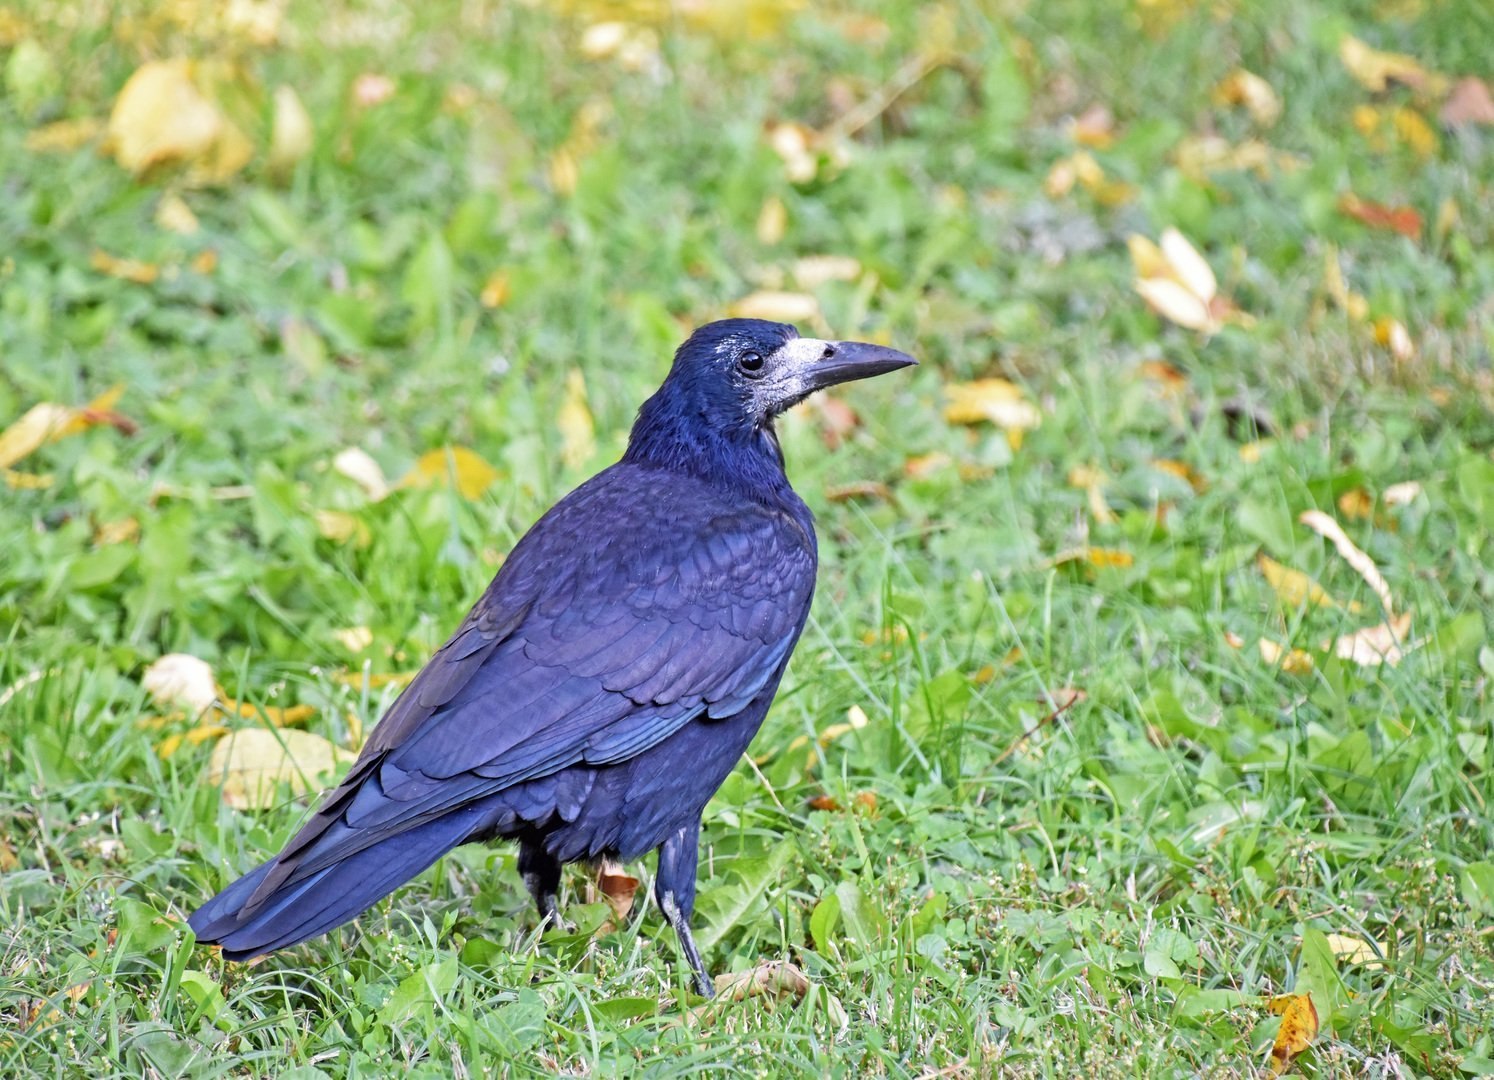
1147,694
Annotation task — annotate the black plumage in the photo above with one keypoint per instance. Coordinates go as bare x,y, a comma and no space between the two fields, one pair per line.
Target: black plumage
610,677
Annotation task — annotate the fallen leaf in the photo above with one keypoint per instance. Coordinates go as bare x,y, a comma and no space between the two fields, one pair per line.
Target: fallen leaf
777,306
180,680
376,680
1413,130
825,803
634,48
577,429
1392,334
141,273
121,531
162,117
363,470
1362,564
1355,950
1294,588
1182,470
1091,481
772,221
354,638
292,134
812,271
1376,70
837,419
1177,283
62,136
1351,303
1245,88
859,489
855,721
921,466
1093,556
495,290
46,423
204,262
1291,661
795,146
1375,645
249,765
1469,103
1405,220
1402,494
991,401
1083,170
456,465
1299,1027
174,215
371,88
770,979
1356,504
617,888
22,481
1094,127
341,527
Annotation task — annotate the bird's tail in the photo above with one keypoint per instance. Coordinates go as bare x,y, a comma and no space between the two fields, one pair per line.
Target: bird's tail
306,907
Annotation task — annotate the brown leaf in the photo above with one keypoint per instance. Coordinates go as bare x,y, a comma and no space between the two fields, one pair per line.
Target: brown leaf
859,489
617,888
771,979
837,419
824,802
1469,103
1405,220
1299,1027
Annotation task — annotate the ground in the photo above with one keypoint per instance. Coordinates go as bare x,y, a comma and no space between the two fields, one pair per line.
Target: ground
1073,772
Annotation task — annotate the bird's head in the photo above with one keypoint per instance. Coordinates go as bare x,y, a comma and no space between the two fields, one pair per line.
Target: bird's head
731,378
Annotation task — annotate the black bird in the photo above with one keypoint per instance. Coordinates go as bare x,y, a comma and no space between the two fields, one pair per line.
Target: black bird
610,677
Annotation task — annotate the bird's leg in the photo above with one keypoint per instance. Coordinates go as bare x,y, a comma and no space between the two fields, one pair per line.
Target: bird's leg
674,888
541,874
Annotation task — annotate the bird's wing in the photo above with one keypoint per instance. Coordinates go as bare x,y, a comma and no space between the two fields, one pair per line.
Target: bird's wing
638,603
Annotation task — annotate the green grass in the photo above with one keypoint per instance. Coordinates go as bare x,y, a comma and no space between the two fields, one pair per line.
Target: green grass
1115,894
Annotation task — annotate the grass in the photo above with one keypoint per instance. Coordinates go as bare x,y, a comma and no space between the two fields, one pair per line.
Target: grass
997,885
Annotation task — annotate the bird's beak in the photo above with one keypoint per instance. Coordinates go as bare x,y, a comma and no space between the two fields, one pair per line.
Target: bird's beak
846,361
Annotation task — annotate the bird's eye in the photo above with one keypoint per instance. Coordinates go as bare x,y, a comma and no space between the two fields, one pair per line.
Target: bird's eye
751,362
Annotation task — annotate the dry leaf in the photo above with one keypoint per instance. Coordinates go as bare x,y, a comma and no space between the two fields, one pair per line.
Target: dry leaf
45,423
1291,661
1362,564
122,531
249,765
1351,303
292,134
859,489
495,290
1094,127
577,429
921,466
363,470
1178,284
1405,220
1294,588
376,680
453,464
824,802
1356,950
837,419
371,88
354,638
812,271
179,680
777,306
770,978
1356,504
1093,556
1375,645
772,221
174,215
1469,103
162,117
341,527
1376,70
63,135
617,888
1299,1027
795,146
1245,88
141,273
991,401
1082,169
1392,333
1402,494
855,721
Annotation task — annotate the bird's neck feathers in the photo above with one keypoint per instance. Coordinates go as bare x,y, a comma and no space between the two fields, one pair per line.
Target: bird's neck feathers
704,440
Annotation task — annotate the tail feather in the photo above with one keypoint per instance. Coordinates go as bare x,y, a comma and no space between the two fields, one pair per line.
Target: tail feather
311,906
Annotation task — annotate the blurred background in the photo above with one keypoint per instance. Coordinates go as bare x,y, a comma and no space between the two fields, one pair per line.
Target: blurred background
1165,573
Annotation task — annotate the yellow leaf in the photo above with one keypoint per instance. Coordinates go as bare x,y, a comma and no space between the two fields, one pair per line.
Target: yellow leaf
363,470
63,135
1413,130
354,638
495,290
1294,588
174,215
1356,504
249,765
1351,303
141,273
772,221
777,306
341,527
1188,266
181,680
1362,564
577,430
48,422
162,117
1375,645
123,531
1176,304
1376,70
1291,661
855,721
1393,335
1299,1027
795,146
292,134
1245,88
451,465
1356,950
812,271
1147,257
376,680
1093,556
22,481
194,736
992,401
